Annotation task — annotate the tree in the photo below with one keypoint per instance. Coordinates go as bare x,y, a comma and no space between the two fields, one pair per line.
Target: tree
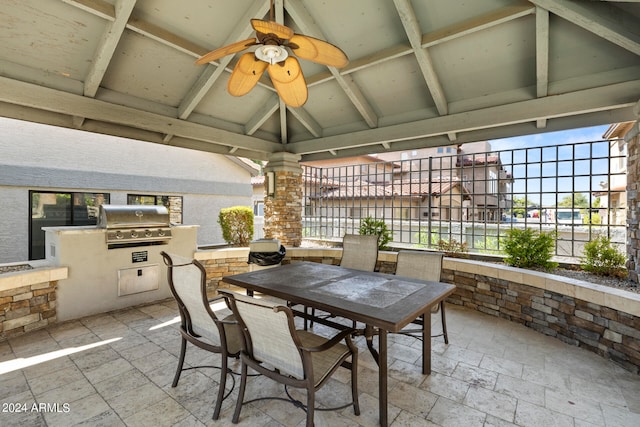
520,205
577,200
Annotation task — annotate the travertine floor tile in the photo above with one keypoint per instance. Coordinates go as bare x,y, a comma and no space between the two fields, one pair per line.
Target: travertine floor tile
493,374
520,389
530,415
448,413
491,402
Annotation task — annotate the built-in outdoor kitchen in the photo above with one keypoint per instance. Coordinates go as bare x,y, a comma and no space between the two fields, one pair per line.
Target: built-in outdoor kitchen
116,263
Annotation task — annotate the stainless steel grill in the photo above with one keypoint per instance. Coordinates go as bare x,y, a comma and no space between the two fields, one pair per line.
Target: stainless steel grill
135,224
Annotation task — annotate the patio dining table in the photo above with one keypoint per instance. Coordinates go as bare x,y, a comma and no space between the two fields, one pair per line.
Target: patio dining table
385,302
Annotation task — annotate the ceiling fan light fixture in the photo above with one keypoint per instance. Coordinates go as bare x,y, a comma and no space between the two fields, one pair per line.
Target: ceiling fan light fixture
271,54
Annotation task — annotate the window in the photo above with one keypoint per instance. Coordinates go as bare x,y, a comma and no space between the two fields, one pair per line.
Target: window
50,209
622,160
172,203
258,208
492,188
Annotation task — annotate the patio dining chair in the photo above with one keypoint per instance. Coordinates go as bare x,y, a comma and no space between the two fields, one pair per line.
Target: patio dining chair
424,266
296,358
199,325
360,252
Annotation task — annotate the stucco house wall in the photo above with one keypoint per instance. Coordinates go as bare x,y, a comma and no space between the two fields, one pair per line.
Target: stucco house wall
45,158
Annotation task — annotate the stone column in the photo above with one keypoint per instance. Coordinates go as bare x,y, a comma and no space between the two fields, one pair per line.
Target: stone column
633,201
283,208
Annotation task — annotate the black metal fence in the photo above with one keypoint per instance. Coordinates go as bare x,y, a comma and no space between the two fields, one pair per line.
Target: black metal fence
576,190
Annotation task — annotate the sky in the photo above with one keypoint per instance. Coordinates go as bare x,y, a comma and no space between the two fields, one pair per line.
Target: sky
551,138
553,172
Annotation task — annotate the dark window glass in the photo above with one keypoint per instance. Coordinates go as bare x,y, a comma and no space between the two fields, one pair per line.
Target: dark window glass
172,203
51,209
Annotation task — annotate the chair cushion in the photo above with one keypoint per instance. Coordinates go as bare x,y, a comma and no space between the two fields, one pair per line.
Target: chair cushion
323,361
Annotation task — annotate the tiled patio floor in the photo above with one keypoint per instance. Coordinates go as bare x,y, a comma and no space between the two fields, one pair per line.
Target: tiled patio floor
116,369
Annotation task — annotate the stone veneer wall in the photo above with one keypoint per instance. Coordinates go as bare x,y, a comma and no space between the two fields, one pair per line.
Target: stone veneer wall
633,202
28,300
600,319
609,332
283,210
218,268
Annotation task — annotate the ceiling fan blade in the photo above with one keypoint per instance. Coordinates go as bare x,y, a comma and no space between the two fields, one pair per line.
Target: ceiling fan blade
226,50
270,27
289,81
317,50
246,74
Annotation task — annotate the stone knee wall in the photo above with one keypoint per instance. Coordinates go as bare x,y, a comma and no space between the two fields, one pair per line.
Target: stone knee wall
27,308
610,333
217,269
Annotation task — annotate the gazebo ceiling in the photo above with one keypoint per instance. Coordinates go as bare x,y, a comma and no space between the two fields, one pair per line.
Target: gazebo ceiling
421,73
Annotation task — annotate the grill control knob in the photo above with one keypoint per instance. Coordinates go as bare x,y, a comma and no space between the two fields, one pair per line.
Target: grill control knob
134,234
161,233
148,233
119,235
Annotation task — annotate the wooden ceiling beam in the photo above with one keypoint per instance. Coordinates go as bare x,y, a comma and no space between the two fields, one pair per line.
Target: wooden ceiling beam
598,18
307,25
616,96
414,34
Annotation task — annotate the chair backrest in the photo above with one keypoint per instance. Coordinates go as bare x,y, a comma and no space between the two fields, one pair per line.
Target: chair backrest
188,283
420,265
359,252
271,335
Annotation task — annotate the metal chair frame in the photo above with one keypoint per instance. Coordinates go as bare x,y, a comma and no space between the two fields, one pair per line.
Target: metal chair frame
423,265
309,355
227,329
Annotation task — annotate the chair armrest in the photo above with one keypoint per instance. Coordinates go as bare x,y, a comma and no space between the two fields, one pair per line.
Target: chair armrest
330,343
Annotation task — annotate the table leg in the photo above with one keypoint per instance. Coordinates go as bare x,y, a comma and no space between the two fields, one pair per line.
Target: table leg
426,343
368,335
382,374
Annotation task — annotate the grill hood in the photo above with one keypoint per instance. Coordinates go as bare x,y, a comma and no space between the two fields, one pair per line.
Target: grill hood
134,223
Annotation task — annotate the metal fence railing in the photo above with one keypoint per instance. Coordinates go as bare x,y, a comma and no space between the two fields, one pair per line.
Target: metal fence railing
576,190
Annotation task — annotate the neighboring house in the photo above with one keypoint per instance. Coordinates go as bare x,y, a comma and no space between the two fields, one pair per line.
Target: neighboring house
477,173
465,182
416,164
311,186
488,182
613,195
350,169
405,199
257,197
51,176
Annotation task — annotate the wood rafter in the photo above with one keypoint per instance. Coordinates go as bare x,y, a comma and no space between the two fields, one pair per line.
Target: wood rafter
182,125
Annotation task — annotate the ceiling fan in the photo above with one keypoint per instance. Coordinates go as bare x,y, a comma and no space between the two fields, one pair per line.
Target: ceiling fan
274,42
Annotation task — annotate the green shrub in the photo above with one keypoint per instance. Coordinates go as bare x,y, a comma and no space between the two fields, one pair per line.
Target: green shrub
426,239
454,249
487,244
379,228
527,248
237,225
604,259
